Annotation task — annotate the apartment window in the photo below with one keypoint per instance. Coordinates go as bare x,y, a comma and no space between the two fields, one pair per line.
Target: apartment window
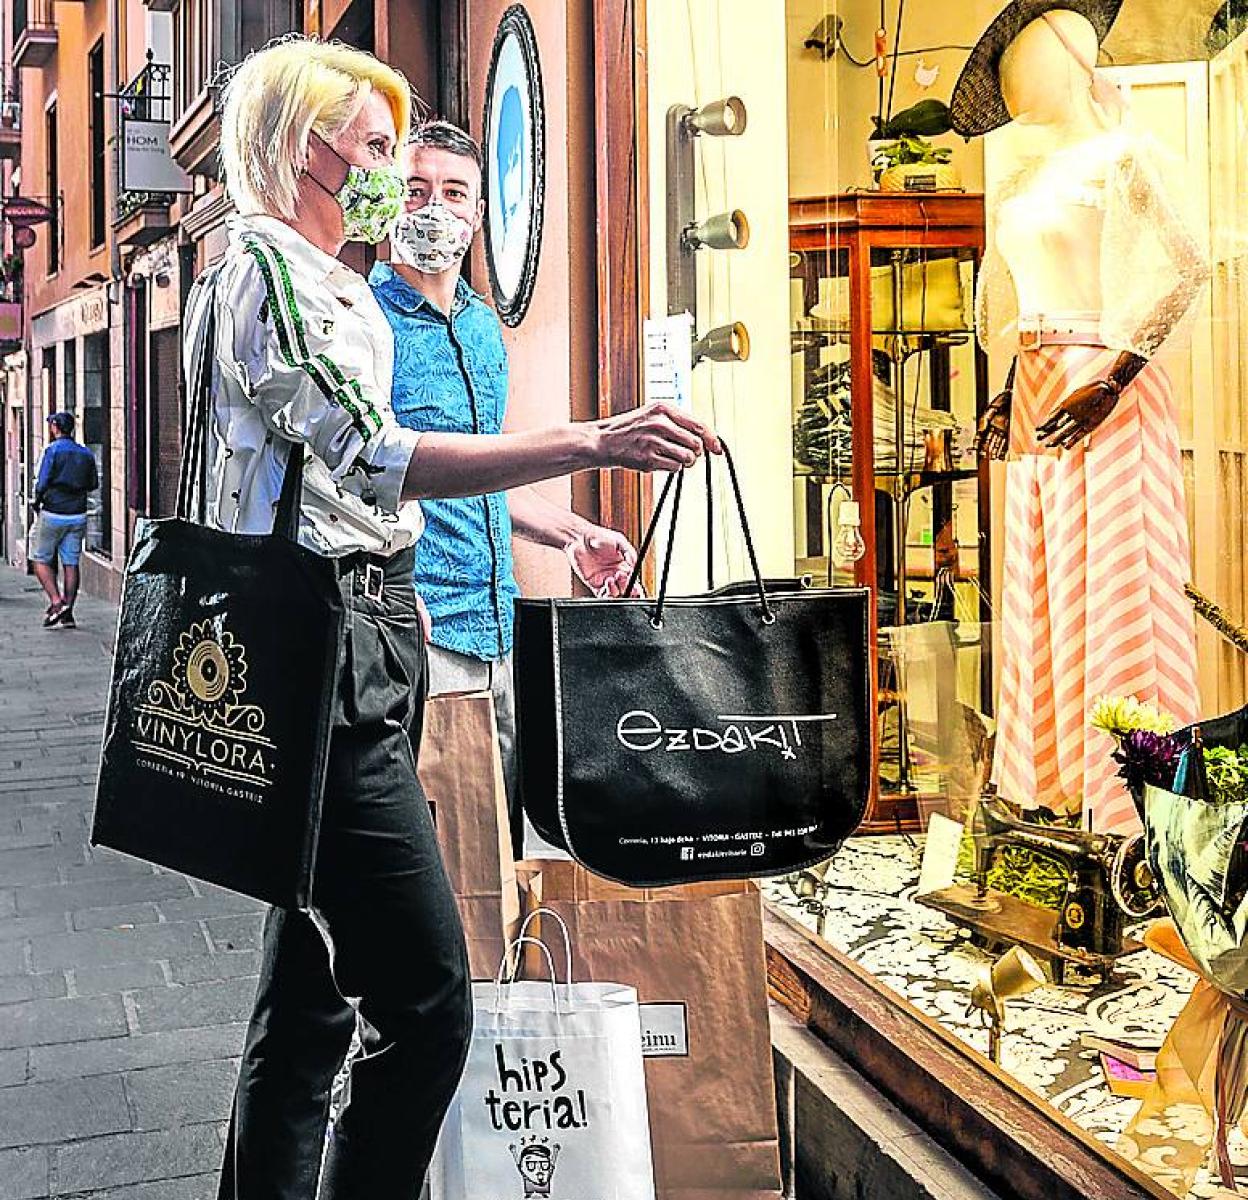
99,183
209,32
52,185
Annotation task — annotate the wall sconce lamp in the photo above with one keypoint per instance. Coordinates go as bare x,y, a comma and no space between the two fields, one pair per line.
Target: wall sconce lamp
686,234
1013,975
720,118
726,343
728,231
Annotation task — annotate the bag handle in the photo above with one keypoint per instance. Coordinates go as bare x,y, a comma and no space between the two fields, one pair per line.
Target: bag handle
191,481
677,479
563,927
506,962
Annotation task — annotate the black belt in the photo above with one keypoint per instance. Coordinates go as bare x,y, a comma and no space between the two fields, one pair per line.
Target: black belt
372,573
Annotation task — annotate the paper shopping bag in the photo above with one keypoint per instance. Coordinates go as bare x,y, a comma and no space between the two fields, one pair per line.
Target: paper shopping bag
695,955
461,772
552,1103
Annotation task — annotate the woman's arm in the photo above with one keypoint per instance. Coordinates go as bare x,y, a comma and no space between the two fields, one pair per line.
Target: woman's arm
655,438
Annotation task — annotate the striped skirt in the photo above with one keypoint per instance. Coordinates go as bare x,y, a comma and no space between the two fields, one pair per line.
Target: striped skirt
1096,557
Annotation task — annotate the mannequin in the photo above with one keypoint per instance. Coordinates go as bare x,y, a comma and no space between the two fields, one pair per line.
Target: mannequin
1090,272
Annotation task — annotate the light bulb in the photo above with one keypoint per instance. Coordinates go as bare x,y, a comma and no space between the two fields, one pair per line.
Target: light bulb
848,546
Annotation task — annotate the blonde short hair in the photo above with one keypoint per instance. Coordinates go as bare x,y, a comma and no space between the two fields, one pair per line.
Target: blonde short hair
283,93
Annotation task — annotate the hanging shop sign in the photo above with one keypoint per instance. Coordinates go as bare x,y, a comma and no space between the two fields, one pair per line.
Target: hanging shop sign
10,322
515,169
146,164
19,211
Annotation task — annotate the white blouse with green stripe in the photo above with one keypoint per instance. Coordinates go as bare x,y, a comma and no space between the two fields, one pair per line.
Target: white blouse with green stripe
303,354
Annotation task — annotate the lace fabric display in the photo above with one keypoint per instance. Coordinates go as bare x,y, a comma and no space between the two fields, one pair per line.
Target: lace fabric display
1151,266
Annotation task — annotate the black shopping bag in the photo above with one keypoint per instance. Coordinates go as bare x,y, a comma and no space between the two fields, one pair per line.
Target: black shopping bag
720,736
219,710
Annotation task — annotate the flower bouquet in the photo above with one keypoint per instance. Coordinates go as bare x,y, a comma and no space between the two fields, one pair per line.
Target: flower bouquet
1191,786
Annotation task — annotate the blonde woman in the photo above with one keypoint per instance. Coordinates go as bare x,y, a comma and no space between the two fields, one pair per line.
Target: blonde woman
303,356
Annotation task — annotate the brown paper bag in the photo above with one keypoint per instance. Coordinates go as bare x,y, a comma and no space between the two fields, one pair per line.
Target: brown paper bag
462,774
695,955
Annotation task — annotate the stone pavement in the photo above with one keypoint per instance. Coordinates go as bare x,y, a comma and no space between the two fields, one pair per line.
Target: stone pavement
123,988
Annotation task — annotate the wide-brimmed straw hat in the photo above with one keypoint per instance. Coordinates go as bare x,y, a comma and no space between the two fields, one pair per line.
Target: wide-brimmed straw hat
978,107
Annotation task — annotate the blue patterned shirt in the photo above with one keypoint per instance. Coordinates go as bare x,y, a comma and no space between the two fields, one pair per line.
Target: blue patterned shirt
450,376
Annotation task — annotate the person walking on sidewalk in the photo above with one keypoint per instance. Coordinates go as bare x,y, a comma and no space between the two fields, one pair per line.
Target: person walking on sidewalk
450,373
67,476
303,364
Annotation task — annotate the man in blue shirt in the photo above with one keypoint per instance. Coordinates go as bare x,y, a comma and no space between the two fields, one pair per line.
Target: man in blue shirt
450,375
67,476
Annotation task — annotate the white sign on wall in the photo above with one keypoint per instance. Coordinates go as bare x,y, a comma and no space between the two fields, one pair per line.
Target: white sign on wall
146,164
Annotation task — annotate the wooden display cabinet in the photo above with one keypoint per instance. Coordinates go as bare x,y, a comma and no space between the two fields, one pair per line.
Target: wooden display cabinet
882,326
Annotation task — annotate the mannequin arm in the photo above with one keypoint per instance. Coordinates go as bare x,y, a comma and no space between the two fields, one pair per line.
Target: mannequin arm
992,430
1087,407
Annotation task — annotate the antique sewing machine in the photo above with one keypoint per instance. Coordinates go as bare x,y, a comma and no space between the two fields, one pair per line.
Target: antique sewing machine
1110,886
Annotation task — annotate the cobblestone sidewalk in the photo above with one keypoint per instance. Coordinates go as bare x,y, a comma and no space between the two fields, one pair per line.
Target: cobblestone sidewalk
123,988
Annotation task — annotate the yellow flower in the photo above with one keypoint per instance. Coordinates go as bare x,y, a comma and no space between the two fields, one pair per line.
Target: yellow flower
1120,715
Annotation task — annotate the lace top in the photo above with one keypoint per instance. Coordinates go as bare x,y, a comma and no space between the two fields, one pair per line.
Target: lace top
1091,228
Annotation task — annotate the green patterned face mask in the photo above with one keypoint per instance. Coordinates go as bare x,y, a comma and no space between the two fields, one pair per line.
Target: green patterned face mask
371,198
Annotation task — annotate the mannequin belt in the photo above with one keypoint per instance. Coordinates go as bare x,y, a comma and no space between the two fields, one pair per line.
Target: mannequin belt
1059,329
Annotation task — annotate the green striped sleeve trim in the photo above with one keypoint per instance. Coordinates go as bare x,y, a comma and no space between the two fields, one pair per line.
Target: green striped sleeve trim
358,406
293,344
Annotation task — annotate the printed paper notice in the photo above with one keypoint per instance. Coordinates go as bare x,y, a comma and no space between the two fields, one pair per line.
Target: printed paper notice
940,855
669,360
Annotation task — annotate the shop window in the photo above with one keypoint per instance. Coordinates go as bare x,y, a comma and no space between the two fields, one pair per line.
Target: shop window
48,383
165,409
1007,597
69,376
97,437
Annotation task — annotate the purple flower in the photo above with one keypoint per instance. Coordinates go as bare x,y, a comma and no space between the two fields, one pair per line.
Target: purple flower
1148,758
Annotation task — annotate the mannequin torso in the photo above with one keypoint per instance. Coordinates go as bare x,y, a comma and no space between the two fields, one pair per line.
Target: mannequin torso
1049,231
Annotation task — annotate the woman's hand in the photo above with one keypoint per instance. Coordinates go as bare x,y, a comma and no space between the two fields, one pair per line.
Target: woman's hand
658,437
602,559
1078,415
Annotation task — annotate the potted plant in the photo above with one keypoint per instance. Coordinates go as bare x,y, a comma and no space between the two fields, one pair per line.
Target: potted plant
903,157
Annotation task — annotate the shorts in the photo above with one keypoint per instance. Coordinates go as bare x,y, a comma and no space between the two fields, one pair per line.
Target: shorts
58,535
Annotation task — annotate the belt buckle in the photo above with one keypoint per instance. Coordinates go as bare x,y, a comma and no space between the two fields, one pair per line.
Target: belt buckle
373,582
1030,333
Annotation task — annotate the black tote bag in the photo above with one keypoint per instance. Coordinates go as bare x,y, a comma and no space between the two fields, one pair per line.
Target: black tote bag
721,736
219,711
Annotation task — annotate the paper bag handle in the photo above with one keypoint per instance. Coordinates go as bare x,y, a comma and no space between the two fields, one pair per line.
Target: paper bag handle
563,927
503,965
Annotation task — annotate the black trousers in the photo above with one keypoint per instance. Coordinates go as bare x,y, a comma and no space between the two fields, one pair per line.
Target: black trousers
383,945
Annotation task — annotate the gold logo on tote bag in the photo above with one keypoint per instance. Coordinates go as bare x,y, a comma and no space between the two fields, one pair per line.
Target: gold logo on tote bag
196,724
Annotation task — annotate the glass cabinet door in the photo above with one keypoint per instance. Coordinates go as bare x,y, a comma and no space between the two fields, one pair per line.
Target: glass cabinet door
885,397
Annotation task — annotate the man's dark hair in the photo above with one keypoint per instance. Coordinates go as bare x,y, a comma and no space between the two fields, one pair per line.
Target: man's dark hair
63,423
442,135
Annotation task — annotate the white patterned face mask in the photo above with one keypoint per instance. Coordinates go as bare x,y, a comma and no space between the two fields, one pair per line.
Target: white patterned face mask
431,239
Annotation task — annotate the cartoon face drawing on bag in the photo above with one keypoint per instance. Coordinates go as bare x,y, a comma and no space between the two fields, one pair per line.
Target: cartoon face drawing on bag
535,1160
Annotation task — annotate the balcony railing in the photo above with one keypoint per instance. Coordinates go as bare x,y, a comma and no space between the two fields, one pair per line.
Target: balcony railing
140,215
34,33
10,113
